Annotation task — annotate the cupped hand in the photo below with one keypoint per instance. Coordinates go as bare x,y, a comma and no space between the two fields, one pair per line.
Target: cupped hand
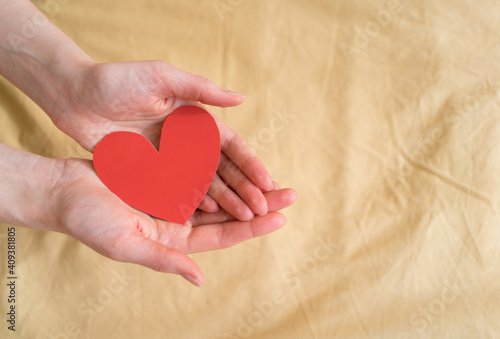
88,211
137,97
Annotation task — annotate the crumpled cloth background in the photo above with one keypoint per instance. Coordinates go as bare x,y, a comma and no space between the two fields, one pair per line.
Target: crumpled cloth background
383,115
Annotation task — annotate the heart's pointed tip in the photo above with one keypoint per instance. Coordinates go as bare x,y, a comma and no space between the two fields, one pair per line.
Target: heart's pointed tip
181,221
170,219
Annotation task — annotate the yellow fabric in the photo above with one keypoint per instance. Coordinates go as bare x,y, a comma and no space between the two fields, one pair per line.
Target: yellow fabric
382,114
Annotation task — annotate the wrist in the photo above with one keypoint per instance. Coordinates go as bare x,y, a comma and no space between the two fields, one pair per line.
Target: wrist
67,71
43,66
27,183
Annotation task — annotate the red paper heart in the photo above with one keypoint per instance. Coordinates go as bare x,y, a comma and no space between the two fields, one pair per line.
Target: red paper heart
170,183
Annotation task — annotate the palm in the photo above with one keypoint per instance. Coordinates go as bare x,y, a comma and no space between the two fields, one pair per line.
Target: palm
99,219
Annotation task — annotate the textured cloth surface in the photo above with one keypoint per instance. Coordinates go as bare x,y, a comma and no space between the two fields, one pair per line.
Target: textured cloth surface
382,114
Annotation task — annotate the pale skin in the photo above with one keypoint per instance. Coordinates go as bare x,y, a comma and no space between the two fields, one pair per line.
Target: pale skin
88,100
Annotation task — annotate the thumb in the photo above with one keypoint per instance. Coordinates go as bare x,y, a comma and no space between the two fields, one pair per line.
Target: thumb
181,84
149,253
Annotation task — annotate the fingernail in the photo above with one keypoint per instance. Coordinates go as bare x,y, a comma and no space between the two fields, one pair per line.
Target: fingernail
264,208
244,213
235,94
191,279
270,183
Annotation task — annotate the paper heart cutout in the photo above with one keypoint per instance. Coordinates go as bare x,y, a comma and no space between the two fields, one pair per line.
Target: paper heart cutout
169,183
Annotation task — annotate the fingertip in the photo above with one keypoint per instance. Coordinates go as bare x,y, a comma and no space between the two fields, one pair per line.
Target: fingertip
209,205
282,219
263,212
196,281
201,280
258,203
289,196
193,274
282,198
213,208
231,99
260,176
292,195
244,214
235,94
270,223
248,216
267,184
264,209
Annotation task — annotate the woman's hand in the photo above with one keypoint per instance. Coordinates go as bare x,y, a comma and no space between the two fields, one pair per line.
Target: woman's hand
85,209
137,97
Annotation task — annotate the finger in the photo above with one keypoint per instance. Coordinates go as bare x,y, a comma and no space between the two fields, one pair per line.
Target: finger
238,151
178,83
200,218
246,190
275,188
149,253
208,204
228,200
276,200
280,199
224,235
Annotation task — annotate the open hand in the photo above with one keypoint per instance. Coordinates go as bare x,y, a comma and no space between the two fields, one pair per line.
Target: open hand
87,210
